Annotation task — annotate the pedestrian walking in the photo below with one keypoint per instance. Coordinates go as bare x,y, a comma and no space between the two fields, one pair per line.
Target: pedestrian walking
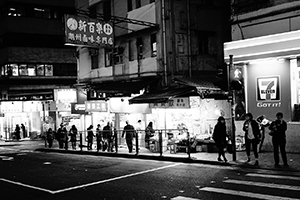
24,132
278,129
17,132
90,136
252,136
99,137
129,133
107,137
50,137
149,132
60,136
73,136
220,138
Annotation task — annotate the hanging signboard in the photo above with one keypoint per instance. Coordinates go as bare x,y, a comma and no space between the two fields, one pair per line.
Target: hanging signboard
96,106
78,108
180,102
83,31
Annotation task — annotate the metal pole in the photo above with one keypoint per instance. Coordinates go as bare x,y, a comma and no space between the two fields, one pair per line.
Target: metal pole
80,140
137,142
160,142
188,145
232,92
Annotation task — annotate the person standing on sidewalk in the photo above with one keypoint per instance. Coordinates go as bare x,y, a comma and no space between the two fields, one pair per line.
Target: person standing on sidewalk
219,136
73,135
99,137
278,129
252,136
129,133
50,137
90,136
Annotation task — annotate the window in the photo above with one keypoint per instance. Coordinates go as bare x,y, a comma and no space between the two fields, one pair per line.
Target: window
113,56
48,70
129,5
40,70
153,45
31,70
42,12
15,11
203,43
130,51
138,3
139,46
23,70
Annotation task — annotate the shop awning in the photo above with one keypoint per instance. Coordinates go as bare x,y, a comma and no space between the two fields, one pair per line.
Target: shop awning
203,82
204,85
162,96
276,45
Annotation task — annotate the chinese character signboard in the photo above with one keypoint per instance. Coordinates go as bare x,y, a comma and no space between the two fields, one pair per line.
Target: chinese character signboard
268,91
97,106
77,108
183,102
83,31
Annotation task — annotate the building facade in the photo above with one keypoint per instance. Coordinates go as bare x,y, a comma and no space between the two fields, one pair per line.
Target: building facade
265,45
36,68
164,51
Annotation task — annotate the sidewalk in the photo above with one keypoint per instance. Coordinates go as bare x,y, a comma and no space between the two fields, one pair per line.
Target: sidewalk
266,160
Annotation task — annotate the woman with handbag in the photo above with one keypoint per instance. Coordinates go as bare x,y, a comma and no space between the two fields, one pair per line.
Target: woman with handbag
220,136
252,136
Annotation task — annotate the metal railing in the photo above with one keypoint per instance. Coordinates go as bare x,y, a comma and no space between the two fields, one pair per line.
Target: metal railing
163,140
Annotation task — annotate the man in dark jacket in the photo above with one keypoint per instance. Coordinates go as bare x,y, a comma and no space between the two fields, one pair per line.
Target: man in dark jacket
107,136
129,133
278,128
252,136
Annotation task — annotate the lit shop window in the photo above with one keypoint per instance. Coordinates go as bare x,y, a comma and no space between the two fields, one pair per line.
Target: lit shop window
42,13
14,11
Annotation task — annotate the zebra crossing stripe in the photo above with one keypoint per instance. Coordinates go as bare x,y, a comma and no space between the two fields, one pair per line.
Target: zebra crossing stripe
294,178
245,194
261,184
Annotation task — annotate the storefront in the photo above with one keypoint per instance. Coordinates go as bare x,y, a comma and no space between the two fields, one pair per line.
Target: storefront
271,65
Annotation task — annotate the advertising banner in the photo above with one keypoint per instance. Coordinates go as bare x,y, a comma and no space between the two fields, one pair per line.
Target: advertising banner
84,31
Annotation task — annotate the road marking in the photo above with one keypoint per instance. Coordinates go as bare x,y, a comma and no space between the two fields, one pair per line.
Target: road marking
261,184
274,176
116,178
90,184
183,198
246,194
25,185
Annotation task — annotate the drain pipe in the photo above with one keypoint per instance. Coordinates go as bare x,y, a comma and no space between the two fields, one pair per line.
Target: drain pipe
164,42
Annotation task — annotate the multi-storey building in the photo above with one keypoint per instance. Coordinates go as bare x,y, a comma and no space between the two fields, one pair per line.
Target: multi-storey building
37,71
265,45
163,49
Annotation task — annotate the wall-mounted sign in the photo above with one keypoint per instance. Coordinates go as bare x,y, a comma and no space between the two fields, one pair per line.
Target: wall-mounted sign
182,102
98,106
83,31
268,91
78,108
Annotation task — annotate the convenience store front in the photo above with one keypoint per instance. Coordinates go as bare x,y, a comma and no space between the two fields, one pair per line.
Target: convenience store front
272,79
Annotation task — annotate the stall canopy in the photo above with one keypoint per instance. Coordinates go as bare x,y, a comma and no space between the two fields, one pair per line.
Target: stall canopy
162,96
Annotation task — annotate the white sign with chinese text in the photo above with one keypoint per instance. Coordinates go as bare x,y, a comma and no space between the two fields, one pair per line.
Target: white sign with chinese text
179,102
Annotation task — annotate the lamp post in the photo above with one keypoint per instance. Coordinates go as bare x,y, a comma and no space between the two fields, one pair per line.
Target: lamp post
232,94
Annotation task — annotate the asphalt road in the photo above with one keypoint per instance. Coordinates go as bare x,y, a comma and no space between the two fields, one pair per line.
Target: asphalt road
36,175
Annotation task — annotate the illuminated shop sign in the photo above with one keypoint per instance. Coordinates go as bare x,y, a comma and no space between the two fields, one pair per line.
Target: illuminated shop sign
83,31
268,91
78,108
183,102
96,106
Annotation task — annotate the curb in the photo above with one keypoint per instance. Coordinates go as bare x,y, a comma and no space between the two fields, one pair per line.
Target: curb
145,157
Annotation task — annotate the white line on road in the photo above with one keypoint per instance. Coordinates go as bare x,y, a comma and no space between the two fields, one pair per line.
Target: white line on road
90,184
294,178
261,184
25,185
246,194
116,178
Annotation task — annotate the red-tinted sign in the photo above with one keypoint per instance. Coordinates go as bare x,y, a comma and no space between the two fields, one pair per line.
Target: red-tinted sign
83,31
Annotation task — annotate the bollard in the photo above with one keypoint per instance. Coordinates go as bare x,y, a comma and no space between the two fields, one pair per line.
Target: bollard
136,142
188,145
160,143
80,140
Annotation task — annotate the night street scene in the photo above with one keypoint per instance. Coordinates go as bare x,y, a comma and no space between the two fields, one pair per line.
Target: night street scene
149,99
